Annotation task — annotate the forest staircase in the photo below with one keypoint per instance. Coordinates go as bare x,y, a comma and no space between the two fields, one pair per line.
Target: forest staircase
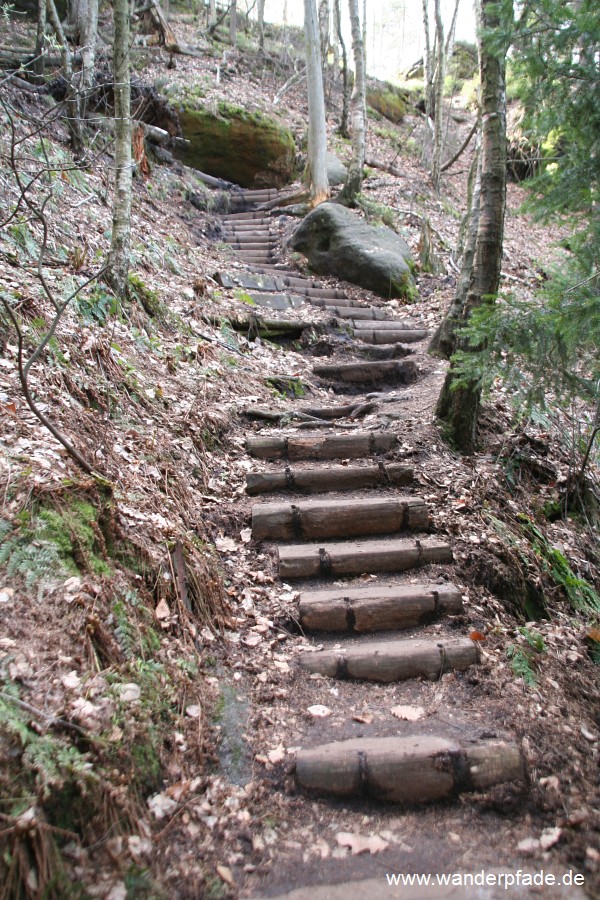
334,525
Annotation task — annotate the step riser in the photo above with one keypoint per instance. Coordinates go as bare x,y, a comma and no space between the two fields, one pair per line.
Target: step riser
335,446
357,557
391,371
399,336
393,661
406,770
376,609
334,478
309,520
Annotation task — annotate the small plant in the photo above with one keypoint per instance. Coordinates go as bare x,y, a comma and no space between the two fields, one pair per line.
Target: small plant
97,305
525,658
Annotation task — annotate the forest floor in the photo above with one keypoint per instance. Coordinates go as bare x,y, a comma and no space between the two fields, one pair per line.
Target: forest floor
161,738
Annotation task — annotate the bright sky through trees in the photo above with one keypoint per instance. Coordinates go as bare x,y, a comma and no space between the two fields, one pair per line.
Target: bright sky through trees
394,29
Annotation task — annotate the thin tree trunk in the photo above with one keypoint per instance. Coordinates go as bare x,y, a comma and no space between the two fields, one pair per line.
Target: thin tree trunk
438,93
233,23
261,24
83,19
449,50
324,16
118,257
72,99
427,67
343,129
458,404
40,39
317,126
358,106
212,13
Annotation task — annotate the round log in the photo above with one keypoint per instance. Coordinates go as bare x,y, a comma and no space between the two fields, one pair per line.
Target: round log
331,446
369,372
333,478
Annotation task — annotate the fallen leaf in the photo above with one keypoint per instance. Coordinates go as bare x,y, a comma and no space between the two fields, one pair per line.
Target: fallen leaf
194,711
162,610
359,843
318,711
364,718
71,680
409,713
277,755
246,535
161,805
129,693
549,837
477,636
528,845
225,874
225,544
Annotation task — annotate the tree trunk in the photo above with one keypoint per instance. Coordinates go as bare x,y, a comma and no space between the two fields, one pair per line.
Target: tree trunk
83,19
118,257
40,39
233,23
317,126
261,24
452,33
324,16
438,94
212,13
343,129
358,106
427,67
71,99
458,406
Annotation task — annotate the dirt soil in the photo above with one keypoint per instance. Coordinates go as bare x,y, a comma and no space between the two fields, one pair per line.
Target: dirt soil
155,396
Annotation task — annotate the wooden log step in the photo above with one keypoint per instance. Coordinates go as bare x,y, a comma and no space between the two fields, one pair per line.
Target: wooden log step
330,446
380,608
384,325
345,312
356,557
366,313
413,769
279,302
320,293
258,255
392,336
392,370
333,478
329,302
247,216
393,660
251,245
310,519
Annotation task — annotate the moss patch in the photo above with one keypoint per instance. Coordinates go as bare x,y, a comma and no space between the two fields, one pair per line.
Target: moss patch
247,148
388,101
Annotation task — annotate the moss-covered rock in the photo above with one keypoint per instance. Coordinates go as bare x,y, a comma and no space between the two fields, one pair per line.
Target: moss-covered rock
389,101
247,148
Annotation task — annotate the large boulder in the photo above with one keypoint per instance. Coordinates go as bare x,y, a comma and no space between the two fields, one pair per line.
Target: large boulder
388,100
336,241
247,148
336,170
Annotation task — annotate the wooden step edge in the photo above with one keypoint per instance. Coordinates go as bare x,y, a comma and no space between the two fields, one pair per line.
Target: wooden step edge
333,478
331,446
393,660
339,518
382,608
415,769
330,559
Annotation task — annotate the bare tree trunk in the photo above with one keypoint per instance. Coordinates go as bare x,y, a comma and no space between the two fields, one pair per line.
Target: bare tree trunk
118,257
458,404
317,126
261,24
40,39
438,94
427,66
72,99
233,23
452,32
358,106
83,19
343,129
324,16
212,13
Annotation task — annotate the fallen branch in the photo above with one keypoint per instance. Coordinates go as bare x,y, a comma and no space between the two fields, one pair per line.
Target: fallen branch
375,163
461,149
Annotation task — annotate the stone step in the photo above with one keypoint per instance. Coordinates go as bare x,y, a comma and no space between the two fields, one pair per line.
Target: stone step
390,335
333,478
329,304
279,302
357,557
393,660
395,371
271,281
412,769
345,517
331,446
379,608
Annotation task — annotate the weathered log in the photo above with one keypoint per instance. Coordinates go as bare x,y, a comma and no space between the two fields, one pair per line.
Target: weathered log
331,446
368,313
266,328
334,478
392,370
384,166
356,557
347,410
379,608
309,519
326,302
387,325
406,770
391,336
393,660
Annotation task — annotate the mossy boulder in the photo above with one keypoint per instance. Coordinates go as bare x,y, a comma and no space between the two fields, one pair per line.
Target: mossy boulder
336,241
389,101
247,148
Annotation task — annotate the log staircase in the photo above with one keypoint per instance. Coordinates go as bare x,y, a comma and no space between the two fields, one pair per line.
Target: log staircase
335,525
